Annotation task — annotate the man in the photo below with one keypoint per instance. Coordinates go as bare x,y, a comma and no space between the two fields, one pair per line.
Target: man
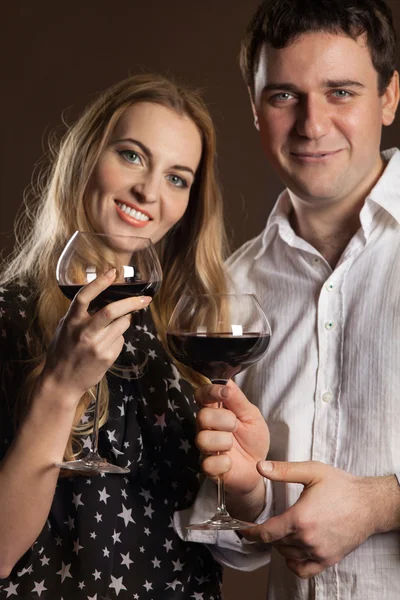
326,269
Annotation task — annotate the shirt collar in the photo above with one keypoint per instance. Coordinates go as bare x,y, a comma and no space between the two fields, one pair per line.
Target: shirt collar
386,194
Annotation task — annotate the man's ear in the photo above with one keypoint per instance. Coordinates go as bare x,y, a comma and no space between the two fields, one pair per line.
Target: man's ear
253,108
390,100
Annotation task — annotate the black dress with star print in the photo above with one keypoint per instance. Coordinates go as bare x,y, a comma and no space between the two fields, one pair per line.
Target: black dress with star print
111,536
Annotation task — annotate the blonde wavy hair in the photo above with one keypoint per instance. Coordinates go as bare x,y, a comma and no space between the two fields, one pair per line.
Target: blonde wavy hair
197,241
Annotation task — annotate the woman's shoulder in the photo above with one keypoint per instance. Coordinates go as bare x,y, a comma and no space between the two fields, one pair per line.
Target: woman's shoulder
17,309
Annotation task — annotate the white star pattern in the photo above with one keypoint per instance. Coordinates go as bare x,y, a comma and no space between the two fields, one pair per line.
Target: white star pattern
117,584
148,511
173,584
39,588
77,500
146,495
148,586
126,515
111,436
167,545
185,446
11,589
104,496
126,560
77,546
64,571
149,427
70,523
178,566
160,421
115,537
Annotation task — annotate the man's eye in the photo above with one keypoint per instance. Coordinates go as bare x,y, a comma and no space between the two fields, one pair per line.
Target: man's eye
131,156
282,96
341,94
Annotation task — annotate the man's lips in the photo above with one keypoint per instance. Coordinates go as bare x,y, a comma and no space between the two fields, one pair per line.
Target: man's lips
315,155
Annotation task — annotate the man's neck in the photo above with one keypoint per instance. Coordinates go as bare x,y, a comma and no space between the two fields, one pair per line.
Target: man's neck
327,229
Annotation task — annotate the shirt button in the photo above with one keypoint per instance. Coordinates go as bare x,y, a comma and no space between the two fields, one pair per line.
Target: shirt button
329,286
327,396
329,325
316,259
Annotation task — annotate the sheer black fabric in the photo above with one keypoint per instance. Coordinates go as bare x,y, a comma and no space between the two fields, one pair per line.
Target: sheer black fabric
111,536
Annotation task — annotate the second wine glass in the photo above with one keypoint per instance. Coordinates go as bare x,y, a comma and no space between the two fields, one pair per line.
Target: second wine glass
138,273
218,335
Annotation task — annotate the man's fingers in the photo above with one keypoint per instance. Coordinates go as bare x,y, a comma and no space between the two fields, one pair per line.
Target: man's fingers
215,466
218,419
291,552
232,397
291,472
305,569
214,441
272,530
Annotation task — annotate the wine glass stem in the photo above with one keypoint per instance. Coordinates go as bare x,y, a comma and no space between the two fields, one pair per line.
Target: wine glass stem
95,432
221,507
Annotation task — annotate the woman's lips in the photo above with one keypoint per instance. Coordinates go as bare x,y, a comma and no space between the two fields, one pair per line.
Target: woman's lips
132,215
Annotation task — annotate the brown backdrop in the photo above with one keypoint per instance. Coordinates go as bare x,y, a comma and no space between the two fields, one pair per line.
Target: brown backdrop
57,56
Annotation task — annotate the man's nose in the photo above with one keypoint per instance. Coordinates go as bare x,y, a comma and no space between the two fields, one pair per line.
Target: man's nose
314,118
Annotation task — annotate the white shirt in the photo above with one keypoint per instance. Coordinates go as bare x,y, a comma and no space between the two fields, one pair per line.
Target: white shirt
329,385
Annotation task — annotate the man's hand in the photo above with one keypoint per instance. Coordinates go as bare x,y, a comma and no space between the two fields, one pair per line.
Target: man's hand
336,513
239,433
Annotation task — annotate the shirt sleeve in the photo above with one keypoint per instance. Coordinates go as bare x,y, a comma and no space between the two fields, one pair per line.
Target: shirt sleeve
227,547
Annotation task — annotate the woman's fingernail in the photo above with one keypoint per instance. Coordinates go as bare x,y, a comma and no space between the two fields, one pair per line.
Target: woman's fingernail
110,273
266,466
145,299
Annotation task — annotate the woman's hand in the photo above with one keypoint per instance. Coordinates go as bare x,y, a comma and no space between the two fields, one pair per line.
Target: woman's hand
86,345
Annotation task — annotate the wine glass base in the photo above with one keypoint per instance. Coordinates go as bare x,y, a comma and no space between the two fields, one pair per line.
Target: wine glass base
93,466
221,524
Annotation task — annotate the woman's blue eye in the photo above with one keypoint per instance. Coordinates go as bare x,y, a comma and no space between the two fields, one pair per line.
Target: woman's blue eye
177,181
131,156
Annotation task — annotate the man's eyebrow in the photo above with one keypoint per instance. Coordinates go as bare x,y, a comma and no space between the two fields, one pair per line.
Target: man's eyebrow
149,153
328,83
343,83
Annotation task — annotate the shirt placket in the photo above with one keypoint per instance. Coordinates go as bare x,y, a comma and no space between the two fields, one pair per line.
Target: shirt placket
330,332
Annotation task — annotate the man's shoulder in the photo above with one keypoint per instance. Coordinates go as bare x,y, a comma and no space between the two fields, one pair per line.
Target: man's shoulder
248,251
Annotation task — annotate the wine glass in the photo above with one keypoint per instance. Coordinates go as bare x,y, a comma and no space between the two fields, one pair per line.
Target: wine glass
138,273
218,335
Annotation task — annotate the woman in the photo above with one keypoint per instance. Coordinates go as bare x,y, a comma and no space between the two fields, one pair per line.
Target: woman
141,160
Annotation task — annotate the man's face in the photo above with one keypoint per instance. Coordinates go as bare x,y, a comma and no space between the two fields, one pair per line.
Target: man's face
319,113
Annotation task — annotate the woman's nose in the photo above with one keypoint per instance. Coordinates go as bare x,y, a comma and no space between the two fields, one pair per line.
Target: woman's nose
147,188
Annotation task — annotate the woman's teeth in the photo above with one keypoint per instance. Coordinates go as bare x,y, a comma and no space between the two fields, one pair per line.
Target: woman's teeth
132,212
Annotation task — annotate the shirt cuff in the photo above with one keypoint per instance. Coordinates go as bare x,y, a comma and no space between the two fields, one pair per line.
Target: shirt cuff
226,546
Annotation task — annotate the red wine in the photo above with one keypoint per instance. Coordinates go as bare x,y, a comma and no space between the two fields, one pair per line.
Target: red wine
114,292
219,355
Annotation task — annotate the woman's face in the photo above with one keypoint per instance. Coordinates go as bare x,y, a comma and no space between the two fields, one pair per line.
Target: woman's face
141,182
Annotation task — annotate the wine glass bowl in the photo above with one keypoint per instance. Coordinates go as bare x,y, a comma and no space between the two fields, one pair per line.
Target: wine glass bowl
138,273
218,335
